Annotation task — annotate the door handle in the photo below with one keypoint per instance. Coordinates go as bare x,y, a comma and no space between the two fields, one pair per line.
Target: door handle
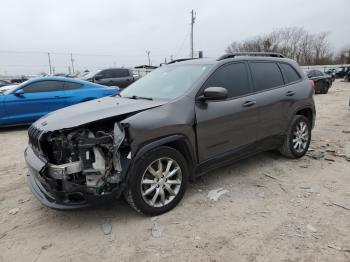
249,103
290,93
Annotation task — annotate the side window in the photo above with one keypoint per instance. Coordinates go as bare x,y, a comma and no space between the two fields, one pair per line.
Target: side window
290,73
233,77
120,73
266,75
318,73
71,85
43,86
106,73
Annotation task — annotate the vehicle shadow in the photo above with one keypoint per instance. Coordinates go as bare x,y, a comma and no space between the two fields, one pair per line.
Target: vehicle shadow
13,129
119,211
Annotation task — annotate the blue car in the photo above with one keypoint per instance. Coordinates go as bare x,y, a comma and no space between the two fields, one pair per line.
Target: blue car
28,101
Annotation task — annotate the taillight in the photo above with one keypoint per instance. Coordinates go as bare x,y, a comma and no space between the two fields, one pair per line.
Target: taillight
313,84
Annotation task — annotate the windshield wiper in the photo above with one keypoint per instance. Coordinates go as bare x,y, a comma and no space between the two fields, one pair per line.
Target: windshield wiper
139,97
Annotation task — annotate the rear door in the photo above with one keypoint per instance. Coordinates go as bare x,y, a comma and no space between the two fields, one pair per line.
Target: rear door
39,98
228,125
273,99
122,77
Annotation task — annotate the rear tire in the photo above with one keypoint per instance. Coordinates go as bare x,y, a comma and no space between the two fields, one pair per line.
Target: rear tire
158,181
298,138
325,88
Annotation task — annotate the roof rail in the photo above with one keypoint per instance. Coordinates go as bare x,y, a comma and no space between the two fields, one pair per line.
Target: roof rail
180,60
232,55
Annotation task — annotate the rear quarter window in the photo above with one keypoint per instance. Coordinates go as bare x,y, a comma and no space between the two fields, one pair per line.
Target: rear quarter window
266,75
71,85
43,86
120,73
289,73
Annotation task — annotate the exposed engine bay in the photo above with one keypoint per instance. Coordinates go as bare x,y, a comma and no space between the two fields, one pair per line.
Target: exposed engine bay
86,159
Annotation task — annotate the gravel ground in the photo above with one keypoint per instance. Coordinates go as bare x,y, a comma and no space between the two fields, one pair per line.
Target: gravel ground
270,208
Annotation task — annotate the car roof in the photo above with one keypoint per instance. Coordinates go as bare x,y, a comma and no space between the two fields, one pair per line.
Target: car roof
59,78
206,61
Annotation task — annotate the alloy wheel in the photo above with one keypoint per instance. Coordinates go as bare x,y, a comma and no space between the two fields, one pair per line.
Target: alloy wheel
161,182
300,137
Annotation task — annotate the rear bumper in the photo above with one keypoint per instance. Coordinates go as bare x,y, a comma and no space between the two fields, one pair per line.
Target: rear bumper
45,190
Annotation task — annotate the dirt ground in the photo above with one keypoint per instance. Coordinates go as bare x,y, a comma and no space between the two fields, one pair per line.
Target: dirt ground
274,209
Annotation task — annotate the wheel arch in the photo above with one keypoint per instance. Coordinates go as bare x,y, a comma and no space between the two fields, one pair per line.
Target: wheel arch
178,142
308,111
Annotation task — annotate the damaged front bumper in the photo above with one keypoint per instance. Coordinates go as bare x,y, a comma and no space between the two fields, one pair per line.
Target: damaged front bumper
44,187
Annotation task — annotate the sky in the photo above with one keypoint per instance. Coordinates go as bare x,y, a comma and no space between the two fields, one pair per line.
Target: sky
113,33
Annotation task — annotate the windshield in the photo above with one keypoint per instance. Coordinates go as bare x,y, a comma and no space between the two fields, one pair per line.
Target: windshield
90,75
166,82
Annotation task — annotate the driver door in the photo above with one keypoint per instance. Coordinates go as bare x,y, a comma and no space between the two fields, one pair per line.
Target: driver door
226,126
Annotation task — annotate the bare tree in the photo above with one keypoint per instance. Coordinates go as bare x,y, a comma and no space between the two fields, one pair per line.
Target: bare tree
293,42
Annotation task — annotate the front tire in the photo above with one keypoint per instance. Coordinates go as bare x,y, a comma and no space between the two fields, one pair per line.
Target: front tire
298,138
158,181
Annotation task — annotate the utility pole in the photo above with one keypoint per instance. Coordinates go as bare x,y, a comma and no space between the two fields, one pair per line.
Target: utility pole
72,61
48,54
149,59
193,18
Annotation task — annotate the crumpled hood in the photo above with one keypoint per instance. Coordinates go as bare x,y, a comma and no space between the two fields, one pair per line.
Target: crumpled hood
92,111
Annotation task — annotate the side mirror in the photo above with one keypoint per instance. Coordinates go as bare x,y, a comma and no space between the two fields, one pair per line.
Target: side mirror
98,77
19,92
214,93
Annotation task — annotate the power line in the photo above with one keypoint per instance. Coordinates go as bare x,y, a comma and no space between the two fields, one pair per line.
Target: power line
183,42
76,54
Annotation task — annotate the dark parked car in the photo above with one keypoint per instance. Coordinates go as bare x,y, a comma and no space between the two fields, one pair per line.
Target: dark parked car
331,72
342,71
4,83
347,77
28,101
321,80
120,77
170,126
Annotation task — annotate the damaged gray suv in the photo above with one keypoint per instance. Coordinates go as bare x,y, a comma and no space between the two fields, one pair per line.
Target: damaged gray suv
176,123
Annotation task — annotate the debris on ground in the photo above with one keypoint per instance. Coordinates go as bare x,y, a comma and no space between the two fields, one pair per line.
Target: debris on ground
106,227
329,159
14,211
339,248
156,230
342,206
268,175
21,201
315,154
47,246
215,194
261,194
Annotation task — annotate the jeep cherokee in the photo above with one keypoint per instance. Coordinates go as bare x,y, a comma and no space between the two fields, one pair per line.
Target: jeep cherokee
177,122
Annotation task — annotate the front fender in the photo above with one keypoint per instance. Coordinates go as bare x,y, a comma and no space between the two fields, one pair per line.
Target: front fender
164,141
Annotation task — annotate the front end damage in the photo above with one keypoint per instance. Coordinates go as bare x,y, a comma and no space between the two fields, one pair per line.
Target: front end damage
78,167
